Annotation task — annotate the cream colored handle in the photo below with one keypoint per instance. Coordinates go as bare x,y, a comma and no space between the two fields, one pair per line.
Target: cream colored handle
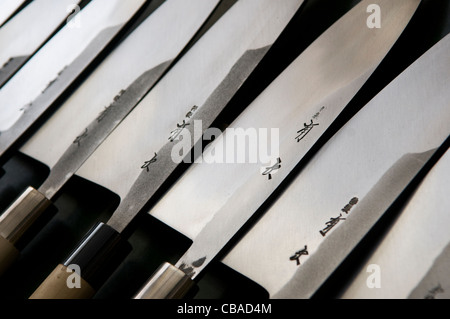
63,283
15,221
168,282
8,255
95,258
21,215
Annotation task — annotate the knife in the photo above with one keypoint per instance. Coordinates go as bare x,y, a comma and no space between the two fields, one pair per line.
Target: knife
197,88
8,8
313,91
412,259
147,47
349,183
40,19
39,83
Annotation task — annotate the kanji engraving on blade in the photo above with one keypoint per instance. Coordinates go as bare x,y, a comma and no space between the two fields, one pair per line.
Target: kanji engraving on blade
192,111
269,170
175,133
305,130
147,163
81,137
350,205
298,254
330,224
180,127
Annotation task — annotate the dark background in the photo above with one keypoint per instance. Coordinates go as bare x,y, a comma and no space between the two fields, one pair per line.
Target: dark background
81,203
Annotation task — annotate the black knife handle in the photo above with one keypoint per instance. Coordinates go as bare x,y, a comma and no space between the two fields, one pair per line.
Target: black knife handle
87,267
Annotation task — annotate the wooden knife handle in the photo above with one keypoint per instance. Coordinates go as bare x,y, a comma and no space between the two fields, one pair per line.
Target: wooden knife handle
62,284
16,220
168,282
93,261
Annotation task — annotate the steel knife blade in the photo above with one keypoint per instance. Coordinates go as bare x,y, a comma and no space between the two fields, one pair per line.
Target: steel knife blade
309,94
114,162
8,8
198,87
36,86
35,24
338,196
153,55
412,259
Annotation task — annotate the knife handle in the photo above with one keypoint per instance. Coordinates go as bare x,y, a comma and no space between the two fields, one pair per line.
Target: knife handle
87,267
16,220
168,282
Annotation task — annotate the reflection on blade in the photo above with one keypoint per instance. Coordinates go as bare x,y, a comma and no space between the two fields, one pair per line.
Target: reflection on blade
413,257
8,8
154,175
207,77
151,53
27,31
57,65
435,284
366,160
146,43
301,103
198,87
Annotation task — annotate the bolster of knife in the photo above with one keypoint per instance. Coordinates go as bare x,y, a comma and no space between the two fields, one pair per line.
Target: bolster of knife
168,282
16,220
88,266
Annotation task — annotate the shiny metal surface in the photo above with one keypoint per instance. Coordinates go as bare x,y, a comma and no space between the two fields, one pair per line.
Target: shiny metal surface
316,87
435,285
45,77
35,24
372,158
96,108
168,282
409,255
7,8
206,77
81,203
